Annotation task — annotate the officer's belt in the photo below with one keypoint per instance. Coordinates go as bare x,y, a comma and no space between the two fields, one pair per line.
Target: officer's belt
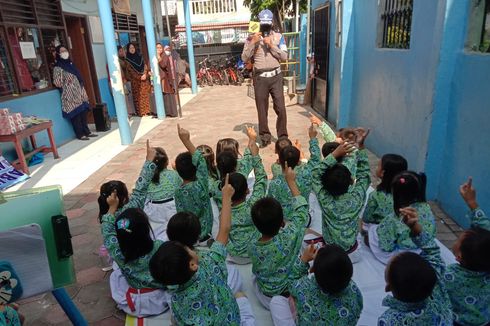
269,74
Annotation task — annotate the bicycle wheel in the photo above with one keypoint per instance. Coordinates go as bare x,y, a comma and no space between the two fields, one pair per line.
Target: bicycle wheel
209,80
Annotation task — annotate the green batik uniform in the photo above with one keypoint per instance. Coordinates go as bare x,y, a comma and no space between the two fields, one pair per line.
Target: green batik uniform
340,215
469,291
244,166
206,298
394,235
435,310
379,206
327,133
278,187
165,189
316,307
194,196
243,231
274,261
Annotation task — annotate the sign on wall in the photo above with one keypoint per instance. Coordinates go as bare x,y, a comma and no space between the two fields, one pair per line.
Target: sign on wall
121,7
9,176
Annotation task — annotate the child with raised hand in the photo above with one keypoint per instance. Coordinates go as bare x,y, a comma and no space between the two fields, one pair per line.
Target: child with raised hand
341,199
198,285
468,281
137,198
160,203
128,239
327,133
243,231
193,195
380,202
416,281
275,254
228,163
330,297
290,156
391,235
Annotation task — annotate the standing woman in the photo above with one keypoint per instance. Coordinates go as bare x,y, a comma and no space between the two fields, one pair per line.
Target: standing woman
167,76
137,73
74,99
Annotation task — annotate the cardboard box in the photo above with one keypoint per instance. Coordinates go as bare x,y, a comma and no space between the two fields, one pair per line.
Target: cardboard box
7,130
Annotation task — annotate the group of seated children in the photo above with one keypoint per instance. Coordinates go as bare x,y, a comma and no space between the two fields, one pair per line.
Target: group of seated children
168,256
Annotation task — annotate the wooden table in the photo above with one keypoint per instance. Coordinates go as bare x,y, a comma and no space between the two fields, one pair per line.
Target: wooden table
30,132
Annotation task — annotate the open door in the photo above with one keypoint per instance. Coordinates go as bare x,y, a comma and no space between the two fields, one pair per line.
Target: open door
82,56
321,45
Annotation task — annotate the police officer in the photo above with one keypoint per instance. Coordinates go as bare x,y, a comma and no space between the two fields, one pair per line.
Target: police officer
268,50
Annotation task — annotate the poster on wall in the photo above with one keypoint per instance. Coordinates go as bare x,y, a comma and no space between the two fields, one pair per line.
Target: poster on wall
121,7
28,50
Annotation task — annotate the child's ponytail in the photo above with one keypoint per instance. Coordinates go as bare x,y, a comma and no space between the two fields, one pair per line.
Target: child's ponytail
161,161
408,188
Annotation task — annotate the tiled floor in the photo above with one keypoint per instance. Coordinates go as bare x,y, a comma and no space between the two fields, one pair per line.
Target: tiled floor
215,113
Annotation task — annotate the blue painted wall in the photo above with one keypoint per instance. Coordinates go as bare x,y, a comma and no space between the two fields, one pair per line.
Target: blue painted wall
467,150
392,90
44,105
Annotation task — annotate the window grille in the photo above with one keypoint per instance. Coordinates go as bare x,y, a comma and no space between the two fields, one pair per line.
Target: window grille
124,22
209,7
396,23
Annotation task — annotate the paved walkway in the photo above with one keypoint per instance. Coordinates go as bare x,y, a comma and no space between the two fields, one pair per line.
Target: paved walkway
215,113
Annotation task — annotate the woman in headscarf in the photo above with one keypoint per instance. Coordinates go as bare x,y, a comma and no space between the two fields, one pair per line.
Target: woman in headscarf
74,99
167,76
137,73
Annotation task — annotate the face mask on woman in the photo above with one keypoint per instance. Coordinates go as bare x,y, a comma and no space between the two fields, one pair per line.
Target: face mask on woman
167,52
64,55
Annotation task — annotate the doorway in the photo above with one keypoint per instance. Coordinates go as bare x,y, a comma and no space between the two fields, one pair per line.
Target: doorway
82,56
321,45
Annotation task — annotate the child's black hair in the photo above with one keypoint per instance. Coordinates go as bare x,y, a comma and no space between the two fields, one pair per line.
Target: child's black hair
133,233
475,249
208,154
267,216
281,143
239,183
289,154
228,145
106,190
227,163
333,269
408,188
391,164
185,228
347,134
328,148
411,277
336,180
184,166
170,264
161,161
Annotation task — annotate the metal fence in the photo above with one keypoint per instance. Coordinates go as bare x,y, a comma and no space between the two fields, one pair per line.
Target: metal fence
396,23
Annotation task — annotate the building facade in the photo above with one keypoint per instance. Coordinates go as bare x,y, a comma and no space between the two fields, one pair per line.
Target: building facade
416,73
25,77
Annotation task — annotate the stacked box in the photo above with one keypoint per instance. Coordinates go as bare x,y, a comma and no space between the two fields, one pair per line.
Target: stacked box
4,112
19,123
7,125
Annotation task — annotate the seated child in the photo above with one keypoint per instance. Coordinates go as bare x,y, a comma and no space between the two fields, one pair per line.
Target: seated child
198,285
416,282
243,231
228,163
138,197
160,204
281,143
468,281
11,290
340,198
380,202
193,195
244,163
391,235
184,227
208,154
329,298
132,286
278,187
275,253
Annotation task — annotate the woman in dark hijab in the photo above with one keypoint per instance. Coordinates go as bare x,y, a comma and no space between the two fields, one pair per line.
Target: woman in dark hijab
74,99
137,73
